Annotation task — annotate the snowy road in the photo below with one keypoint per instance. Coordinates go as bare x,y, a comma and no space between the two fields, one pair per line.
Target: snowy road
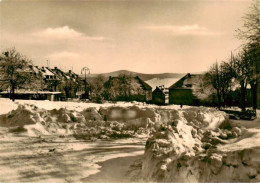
52,159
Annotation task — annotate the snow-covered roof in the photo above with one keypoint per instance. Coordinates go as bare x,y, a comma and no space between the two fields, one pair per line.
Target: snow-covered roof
31,92
48,72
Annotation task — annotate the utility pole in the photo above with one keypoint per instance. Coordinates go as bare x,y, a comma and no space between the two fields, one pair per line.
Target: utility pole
85,69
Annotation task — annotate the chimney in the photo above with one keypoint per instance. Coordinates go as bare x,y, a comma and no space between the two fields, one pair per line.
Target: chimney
55,68
70,71
6,53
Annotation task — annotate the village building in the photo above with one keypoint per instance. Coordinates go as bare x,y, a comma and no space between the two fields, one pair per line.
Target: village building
34,95
160,95
128,89
51,80
55,85
186,91
71,84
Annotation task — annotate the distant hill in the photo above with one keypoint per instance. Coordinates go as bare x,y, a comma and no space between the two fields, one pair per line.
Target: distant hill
143,76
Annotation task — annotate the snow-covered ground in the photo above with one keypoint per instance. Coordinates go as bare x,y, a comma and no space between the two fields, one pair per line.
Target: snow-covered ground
66,141
52,159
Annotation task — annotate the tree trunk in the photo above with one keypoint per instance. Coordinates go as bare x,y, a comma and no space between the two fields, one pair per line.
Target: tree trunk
253,91
243,98
219,99
224,101
12,94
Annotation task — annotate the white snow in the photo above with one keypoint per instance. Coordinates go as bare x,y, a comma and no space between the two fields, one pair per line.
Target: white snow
6,106
249,140
167,82
176,148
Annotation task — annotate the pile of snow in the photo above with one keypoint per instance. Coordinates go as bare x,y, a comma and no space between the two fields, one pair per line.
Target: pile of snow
7,105
87,120
202,146
104,121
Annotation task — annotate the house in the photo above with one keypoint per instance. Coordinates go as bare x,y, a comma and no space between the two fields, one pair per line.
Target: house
128,88
52,84
186,91
160,95
70,83
51,79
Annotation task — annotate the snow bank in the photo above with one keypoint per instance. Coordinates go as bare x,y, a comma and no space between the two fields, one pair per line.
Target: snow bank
87,120
202,146
7,105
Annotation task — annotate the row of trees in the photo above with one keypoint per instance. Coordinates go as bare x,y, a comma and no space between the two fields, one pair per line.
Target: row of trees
242,68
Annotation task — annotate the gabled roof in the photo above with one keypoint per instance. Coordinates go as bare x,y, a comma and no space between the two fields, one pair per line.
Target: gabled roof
59,73
47,71
188,79
144,84
72,74
157,89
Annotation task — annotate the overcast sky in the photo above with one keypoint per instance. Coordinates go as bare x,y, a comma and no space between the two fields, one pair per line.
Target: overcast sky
142,36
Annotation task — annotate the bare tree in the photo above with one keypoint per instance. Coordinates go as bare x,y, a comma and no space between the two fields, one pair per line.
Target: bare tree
16,72
226,75
250,31
250,34
212,78
219,77
242,75
97,89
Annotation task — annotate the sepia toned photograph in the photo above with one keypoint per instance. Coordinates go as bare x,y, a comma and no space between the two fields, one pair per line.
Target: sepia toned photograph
129,91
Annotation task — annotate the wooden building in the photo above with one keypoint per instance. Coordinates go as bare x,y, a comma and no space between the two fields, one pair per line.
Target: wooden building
182,92
160,95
